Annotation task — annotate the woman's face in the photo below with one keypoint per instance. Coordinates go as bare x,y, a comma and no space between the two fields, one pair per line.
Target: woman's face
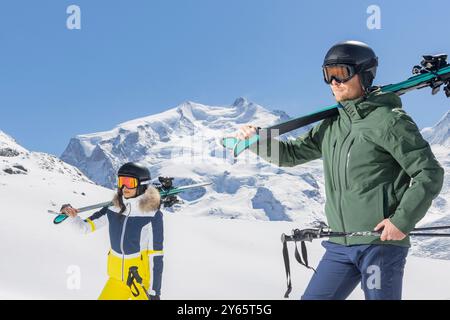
129,193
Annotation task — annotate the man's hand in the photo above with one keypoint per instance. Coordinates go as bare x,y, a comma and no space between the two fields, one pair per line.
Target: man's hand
246,132
390,232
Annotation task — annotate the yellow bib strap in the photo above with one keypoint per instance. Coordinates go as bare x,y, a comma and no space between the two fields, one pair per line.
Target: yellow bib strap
153,252
91,224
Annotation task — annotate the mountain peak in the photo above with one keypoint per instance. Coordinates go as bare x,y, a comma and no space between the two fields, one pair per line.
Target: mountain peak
446,117
241,101
155,137
440,133
9,146
6,139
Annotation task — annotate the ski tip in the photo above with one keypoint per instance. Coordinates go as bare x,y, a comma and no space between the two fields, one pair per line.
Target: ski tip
59,219
229,142
243,145
238,146
236,152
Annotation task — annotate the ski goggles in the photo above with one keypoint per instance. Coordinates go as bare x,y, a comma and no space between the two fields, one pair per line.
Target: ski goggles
129,182
339,72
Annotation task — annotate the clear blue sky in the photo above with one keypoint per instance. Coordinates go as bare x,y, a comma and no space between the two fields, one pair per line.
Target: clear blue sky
136,58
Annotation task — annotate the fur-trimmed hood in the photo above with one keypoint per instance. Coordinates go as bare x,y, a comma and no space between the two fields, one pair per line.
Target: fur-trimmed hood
148,202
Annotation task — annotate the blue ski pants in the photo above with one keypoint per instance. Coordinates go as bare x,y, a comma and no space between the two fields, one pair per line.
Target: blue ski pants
379,269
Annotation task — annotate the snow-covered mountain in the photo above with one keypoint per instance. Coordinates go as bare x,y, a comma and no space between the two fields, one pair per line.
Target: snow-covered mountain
162,136
16,160
183,142
440,133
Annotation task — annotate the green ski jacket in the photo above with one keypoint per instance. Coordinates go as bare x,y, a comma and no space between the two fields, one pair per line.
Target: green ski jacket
376,164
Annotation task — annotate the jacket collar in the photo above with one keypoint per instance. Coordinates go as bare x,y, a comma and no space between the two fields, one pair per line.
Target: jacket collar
359,108
133,201
148,202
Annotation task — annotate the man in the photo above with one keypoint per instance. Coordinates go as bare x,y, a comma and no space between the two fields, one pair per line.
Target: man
380,174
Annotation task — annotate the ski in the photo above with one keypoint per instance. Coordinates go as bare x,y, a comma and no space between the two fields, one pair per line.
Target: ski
165,193
166,190
433,72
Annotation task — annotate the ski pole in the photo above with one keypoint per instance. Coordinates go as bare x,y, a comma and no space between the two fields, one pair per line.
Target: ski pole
311,234
432,228
424,234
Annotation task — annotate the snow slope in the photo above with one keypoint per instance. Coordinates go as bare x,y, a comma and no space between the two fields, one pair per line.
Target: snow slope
206,258
438,214
35,254
439,138
440,133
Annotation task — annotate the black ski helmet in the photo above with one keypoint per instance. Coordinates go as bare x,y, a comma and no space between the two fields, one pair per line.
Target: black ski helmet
138,171
357,54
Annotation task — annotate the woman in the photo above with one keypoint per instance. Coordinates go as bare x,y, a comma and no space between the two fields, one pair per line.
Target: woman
135,261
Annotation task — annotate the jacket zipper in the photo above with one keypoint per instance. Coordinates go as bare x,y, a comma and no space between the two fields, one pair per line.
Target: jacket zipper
122,236
346,164
333,182
340,183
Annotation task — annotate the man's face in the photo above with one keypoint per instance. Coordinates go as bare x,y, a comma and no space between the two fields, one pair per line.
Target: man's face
348,90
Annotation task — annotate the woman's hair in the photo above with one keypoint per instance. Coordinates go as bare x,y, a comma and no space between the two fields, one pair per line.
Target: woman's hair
120,199
140,190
